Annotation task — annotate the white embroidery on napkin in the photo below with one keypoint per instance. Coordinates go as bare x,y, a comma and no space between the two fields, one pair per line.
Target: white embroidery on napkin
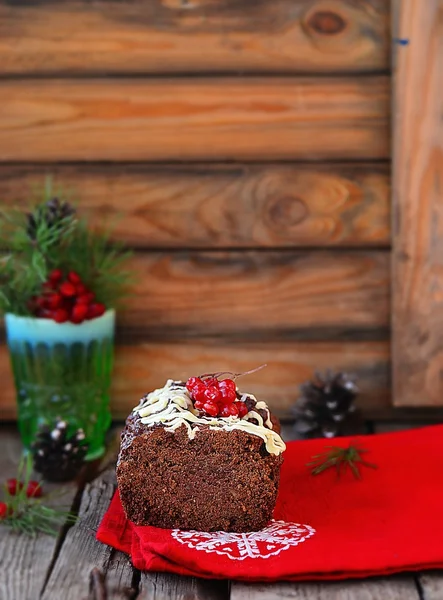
270,541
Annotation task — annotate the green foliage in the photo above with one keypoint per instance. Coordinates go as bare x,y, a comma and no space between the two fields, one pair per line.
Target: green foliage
49,237
31,515
340,458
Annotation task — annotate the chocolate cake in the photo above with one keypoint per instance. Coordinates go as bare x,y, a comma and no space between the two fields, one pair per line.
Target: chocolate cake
195,458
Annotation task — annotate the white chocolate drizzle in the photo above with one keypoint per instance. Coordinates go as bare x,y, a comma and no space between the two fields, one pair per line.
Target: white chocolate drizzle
172,406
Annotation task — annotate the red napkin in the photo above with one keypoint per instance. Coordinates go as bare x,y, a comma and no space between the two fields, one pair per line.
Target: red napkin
326,527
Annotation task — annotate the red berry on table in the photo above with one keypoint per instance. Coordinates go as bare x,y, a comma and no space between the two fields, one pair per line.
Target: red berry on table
74,277
13,486
3,510
34,490
78,313
242,409
191,383
211,409
213,394
55,276
61,315
67,289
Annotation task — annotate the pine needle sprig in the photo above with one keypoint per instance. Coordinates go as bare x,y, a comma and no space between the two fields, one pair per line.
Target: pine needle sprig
31,515
340,458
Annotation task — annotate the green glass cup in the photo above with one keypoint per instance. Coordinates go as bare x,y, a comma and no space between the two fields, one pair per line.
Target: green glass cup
62,371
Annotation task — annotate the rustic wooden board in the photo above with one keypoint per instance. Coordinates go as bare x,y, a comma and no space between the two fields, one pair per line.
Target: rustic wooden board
195,119
162,586
204,293
216,206
154,36
418,225
431,585
24,560
394,588
80,551
143,367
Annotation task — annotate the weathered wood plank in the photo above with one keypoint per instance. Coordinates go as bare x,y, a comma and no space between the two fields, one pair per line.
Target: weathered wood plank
81,552
155,36
195,119
204,293
143,367
24,560
418,183
431,585
216,206
394,588
162,586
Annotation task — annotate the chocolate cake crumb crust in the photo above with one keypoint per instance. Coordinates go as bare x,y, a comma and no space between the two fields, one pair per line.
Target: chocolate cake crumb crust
218,480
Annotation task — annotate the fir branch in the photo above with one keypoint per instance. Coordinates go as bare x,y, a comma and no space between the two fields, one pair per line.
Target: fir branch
52,236
30,515
340,458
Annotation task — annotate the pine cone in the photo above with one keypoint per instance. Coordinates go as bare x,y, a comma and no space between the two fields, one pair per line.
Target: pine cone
57,456
326,407
53,212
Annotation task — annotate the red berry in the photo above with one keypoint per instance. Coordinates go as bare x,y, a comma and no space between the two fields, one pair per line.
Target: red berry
54,301
242,409
34,490
228,384
74,277
55,276
41,302
49,286
61,315
81,289
199,404
212,382
95,310
78,313
192,381
211,408
3,510
224,412
198,392
213,394
85,298
67,289
44,313
13,486
228,396
233,409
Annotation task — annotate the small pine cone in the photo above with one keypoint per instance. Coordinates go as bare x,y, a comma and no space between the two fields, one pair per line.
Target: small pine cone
52,212
326,407
57,455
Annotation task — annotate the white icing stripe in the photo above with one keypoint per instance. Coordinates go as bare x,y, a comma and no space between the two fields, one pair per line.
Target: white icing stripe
173,407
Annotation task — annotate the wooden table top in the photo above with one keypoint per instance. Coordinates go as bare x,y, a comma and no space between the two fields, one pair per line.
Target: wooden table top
74,566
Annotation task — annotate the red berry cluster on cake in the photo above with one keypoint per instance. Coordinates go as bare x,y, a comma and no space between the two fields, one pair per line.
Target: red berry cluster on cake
66,298
200,455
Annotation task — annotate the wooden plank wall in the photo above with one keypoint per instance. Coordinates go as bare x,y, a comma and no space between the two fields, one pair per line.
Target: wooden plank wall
244,149
418,195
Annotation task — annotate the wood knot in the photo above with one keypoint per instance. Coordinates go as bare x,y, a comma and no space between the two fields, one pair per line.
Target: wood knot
326,22
288,211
